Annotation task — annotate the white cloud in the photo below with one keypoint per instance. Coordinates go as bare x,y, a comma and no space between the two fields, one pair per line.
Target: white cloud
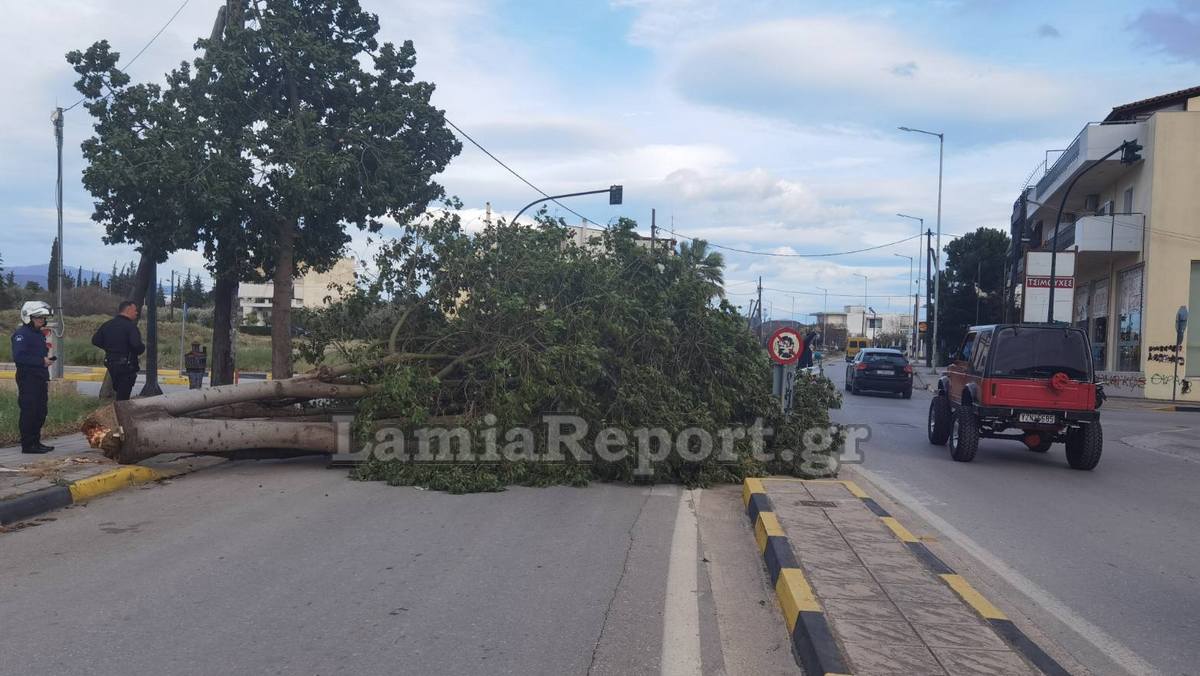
835,68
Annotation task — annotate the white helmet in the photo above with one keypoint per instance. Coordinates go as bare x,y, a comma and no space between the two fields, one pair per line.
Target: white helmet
35,308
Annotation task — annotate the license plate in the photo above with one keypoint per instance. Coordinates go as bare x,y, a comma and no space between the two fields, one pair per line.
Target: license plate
1040,418
884,372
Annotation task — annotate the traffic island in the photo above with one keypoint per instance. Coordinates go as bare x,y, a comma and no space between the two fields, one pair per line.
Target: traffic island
861,594
31,485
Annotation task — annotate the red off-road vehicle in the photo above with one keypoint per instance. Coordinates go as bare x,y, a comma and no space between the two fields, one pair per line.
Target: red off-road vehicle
1028,382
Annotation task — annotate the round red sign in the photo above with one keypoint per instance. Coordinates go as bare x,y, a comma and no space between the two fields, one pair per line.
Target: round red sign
785,346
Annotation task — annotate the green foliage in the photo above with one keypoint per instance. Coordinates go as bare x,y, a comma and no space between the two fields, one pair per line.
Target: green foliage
513,323
975,258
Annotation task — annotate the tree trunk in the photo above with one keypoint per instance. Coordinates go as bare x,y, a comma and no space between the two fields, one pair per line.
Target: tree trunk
224,302
281,303
141,280
131,431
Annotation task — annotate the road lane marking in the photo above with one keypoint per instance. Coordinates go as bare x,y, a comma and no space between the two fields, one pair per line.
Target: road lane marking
1097,637
681,613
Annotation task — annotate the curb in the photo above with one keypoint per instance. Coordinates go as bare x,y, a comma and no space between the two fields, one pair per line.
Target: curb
55,497
813,644
1003,626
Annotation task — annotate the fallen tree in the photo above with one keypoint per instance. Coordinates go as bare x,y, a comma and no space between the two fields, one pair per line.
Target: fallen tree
476,337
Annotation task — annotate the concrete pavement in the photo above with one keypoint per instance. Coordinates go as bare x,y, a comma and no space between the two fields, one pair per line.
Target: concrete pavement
286,567
1106,562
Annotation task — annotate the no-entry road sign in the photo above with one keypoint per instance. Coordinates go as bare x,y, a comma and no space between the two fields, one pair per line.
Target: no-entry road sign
785,346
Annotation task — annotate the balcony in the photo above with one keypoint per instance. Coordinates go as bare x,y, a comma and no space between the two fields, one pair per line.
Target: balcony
1113,233
1093,142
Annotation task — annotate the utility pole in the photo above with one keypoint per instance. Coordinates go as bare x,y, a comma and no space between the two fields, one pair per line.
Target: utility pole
60,363
978,289
653,230
172,305
758,310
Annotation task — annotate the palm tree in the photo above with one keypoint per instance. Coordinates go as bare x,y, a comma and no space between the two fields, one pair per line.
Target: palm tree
706,266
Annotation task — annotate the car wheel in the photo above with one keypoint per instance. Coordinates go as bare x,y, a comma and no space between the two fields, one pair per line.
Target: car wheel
964,435
847,380
854,388
1084,446
907,393
939,420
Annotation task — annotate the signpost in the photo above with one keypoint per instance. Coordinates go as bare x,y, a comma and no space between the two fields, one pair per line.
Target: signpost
1181,318
785,347
1036,298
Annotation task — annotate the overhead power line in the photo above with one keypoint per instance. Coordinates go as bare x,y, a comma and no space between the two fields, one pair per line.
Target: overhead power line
140,51
512,171
796,255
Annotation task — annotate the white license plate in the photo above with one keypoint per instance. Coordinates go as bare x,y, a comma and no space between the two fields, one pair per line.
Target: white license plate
1040,418
882,372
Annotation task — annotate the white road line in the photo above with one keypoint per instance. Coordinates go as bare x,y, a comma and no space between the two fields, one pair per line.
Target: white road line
1100,639
681,614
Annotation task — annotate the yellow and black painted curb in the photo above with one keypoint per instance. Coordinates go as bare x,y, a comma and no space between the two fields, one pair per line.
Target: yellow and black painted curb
989,612
813,644
55,497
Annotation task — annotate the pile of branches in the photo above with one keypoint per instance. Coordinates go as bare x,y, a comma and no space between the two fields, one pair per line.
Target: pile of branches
494,330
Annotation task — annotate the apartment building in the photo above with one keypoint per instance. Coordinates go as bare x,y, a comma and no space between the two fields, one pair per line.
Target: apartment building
311,290
1135,230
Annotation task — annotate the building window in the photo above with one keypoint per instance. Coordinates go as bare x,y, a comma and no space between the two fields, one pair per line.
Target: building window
1129,320
1127,202
1099,335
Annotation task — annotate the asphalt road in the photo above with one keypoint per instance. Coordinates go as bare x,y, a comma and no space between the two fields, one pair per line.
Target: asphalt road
1111,557
286,567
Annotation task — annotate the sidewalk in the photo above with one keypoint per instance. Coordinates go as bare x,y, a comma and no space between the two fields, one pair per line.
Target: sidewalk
862,595
74,472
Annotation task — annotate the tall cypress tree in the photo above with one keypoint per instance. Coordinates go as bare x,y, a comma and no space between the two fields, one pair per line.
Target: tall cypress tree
53,270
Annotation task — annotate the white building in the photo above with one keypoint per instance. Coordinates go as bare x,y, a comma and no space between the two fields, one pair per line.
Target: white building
864,321
311,290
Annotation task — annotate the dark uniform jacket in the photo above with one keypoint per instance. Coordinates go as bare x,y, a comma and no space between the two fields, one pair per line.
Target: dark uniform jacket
29,351
195,362
121,341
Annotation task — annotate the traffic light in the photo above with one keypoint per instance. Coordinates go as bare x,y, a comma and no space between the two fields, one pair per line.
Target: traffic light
1131,151
615,193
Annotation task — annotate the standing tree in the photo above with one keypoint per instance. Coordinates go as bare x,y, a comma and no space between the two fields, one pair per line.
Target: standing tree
344,135
972,284
704,265
52,270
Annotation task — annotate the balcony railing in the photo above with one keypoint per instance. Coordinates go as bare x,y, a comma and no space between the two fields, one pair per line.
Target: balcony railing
1116,233
1092,142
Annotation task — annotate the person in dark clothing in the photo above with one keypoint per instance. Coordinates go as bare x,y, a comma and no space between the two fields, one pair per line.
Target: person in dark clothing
806,357
31,355
122,344
195,363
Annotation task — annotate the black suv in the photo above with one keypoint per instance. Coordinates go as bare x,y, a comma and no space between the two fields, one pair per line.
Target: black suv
881,370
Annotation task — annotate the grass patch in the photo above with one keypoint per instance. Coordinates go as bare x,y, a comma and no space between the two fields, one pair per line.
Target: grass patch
66,412
253,352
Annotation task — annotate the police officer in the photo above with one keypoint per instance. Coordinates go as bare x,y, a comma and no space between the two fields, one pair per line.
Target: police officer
122,344
195,363
30,353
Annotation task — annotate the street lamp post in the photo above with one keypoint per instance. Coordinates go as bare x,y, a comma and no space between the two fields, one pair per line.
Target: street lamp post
825,315
910,281
615,196
917,290
937,290
864,312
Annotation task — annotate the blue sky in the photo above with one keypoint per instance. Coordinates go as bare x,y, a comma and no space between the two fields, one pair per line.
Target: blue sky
760,125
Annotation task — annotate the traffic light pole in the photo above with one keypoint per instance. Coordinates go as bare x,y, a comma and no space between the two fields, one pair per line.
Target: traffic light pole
929,298
1130,149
